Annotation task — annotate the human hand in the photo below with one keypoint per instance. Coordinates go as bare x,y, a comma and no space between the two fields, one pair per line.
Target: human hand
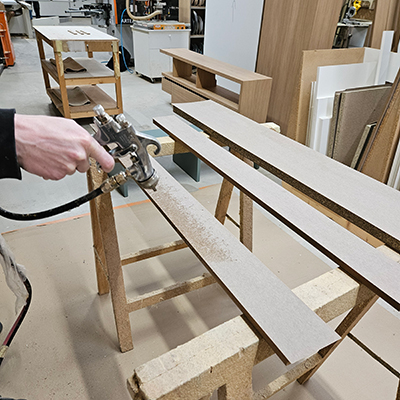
53,147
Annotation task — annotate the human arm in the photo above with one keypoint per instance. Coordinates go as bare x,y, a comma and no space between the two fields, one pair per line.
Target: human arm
53,147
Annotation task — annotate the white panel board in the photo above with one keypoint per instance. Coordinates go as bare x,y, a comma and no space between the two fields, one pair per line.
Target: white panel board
332,78
232,32
371,55
384,57
394,65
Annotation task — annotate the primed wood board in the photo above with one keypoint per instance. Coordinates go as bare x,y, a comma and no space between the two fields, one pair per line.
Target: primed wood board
289,27
357,258
363,201
311,60
384,58
292,329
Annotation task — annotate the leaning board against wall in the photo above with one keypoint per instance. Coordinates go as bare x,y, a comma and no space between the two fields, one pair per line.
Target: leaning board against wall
288,28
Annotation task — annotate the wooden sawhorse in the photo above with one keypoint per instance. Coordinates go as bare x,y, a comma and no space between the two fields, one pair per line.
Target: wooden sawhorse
109,261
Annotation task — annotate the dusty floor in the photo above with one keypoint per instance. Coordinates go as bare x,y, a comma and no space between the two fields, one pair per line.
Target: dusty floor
67,347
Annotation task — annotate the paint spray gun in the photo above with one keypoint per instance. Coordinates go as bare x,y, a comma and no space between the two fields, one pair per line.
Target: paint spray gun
127,143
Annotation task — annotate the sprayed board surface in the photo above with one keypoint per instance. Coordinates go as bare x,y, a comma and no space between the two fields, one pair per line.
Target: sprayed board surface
289,326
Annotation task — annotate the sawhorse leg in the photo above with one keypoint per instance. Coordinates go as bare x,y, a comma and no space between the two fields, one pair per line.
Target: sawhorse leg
108,260
245,210
365,300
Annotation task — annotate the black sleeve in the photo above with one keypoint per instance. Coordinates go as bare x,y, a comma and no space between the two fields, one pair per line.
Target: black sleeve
9,167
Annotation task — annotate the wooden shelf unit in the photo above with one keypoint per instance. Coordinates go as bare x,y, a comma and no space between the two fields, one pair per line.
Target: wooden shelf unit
80,39
184,86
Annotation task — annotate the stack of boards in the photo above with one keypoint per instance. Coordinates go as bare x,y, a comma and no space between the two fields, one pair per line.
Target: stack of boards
353,112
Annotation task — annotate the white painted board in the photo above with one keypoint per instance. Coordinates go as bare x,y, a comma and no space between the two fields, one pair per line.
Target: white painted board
384,57
333,78
232,29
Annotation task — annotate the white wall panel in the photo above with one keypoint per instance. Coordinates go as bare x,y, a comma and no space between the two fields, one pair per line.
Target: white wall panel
232,32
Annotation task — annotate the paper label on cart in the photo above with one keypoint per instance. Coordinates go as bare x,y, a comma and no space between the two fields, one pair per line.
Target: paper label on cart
76,45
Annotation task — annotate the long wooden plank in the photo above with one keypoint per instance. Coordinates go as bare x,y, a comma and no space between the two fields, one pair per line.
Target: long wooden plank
356,197
289,326
357,258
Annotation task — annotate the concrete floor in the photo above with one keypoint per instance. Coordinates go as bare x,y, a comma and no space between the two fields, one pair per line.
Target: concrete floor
67,347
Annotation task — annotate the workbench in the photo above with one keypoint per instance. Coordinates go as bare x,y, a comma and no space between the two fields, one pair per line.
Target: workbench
65,39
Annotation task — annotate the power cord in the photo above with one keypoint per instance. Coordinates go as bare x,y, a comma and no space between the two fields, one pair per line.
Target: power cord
122,44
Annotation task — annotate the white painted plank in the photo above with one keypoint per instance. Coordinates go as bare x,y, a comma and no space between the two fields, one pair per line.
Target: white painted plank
384,57
360,199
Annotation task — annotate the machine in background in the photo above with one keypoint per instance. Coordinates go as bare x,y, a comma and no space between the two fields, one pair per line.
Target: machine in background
112,15
350,31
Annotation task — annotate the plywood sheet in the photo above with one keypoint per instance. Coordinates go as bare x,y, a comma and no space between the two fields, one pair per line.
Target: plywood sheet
362,144
356,108
352,195
352,254
310,61
378,156
289,326
288,28
394,176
